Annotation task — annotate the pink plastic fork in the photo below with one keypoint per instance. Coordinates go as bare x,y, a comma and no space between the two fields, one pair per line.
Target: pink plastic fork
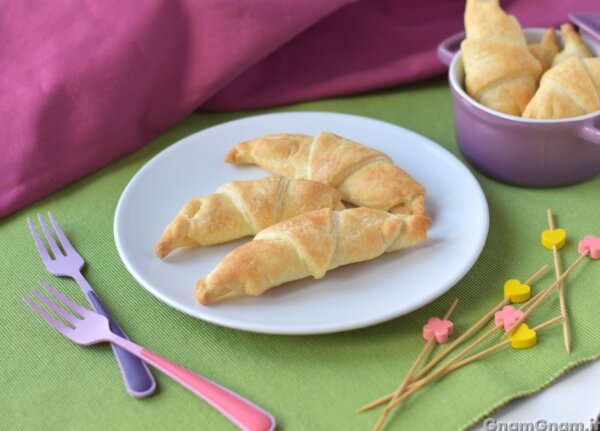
87,327
136,375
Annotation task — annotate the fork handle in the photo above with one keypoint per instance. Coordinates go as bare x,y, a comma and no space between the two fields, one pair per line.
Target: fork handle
243,413
136,375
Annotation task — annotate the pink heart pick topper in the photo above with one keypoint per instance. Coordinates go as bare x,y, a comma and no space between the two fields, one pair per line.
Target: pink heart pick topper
507,316
439,329
591,244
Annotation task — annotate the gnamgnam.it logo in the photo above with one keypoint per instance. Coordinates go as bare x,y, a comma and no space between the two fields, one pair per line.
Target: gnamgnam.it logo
491,424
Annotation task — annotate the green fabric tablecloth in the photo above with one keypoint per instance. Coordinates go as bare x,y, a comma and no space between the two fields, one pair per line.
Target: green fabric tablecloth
307,382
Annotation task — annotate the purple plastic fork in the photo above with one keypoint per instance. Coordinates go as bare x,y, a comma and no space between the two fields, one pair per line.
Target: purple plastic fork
136,375
86,327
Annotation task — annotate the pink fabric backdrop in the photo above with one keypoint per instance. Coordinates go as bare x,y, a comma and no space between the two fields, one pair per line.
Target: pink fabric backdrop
84,83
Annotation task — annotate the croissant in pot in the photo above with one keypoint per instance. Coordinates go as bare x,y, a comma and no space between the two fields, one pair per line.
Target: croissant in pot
574,46
365,177
568,90
500,72
309,245
546,49
242,208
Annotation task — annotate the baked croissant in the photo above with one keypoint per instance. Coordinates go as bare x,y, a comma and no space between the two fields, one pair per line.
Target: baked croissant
241,208
573,46
500,72
568,90
364,176
546,49
309,245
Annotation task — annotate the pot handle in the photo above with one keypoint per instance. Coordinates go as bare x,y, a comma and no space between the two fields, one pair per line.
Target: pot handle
590,132
448,47
588,23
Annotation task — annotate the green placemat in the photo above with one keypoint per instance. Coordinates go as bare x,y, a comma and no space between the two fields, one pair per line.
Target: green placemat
307,382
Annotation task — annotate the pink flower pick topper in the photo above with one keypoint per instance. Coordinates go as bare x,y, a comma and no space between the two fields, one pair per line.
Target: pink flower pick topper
591,244
439,329
507,316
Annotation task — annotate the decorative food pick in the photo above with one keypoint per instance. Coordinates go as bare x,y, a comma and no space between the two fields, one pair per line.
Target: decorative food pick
457,357
516,291
500,345
455,343
591,245
413,387
460,339
434,324
507,316
438,329
554,239
436,360
546,292
523,337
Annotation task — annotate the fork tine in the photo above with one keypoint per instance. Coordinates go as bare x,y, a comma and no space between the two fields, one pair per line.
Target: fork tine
68,317
59,326
38,241
49,237
64,241
68,302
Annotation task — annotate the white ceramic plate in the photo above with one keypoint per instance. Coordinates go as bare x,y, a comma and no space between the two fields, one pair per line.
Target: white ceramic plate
350,297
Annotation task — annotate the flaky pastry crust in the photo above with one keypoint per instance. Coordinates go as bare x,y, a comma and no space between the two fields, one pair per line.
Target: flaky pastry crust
309,245
500,72
365,177
242,208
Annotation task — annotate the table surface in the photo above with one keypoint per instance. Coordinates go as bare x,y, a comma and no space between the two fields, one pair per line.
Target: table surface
574,399
307,382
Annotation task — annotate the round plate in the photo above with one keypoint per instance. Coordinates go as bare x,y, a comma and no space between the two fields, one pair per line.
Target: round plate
346,298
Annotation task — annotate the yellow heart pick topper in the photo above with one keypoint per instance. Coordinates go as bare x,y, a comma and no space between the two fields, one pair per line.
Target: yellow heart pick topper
523,337
516,291
554,237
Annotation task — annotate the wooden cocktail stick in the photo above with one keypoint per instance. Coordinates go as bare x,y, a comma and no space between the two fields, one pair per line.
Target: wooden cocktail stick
388,397
561,290
420,383
440,371
473,328
545,293
456,342
536,274
531,301
528,281
460,339
495,347
475,357
413,368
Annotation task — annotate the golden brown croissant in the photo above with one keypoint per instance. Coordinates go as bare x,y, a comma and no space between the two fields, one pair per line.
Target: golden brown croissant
568,90
500,72
573,46
366,177
309,245
546,49
241,208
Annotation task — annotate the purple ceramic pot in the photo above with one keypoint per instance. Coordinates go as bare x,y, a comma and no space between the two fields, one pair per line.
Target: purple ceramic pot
540,153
